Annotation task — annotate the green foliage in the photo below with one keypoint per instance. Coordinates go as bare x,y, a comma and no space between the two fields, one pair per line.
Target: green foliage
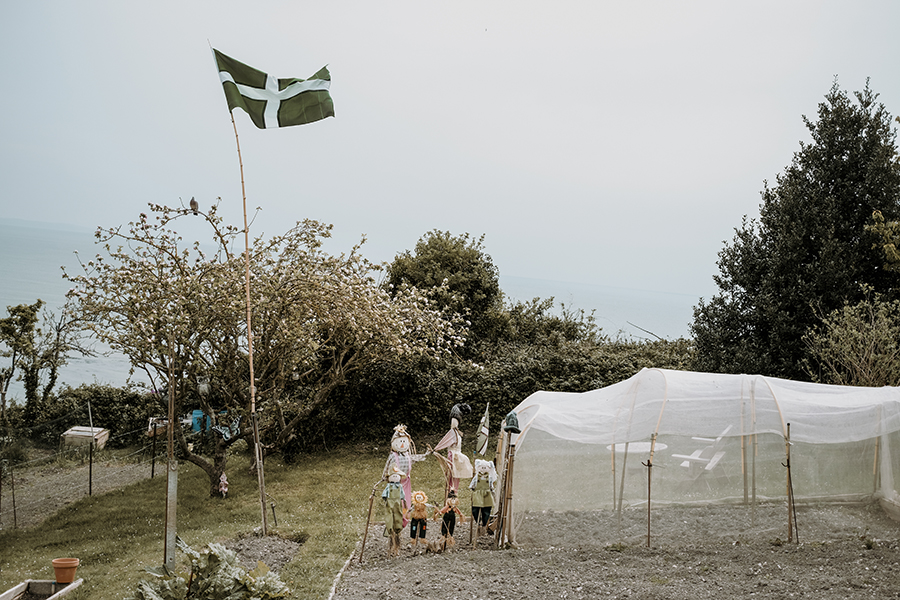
36,352
215,574
462,275
888,239
540,351
14,452
809,251
123,411
857,344
17,343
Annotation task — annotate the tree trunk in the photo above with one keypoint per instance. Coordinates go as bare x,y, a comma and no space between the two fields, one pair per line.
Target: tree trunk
212,469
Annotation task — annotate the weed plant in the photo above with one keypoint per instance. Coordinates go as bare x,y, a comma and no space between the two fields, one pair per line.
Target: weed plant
323,497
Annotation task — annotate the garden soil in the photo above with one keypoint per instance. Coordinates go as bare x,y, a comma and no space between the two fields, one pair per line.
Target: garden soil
844,551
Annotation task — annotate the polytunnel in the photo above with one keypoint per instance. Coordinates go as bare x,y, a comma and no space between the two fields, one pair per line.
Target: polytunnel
702,438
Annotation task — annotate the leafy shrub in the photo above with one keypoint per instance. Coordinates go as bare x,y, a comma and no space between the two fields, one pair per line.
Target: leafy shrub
14,453
215,574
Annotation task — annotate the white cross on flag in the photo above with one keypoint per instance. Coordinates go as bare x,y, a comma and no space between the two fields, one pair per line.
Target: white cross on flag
272,102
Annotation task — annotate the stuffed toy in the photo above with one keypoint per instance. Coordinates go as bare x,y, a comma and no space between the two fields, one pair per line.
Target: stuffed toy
482,487
448,520
402,457
418,520
393,511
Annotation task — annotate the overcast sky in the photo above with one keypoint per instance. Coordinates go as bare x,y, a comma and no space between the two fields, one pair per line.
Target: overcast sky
612,143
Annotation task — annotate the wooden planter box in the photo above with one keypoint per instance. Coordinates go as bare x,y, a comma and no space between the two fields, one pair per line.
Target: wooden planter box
40,589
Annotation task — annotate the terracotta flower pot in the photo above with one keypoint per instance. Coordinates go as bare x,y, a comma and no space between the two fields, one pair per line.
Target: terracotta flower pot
65,569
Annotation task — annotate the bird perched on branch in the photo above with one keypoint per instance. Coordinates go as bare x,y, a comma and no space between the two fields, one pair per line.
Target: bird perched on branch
195,208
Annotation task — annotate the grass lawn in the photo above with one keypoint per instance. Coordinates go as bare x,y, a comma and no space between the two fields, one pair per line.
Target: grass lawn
324,496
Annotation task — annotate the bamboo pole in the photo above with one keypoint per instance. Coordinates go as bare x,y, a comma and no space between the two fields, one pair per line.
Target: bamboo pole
622,484
613,460
875,471
754,451
510,529
792,509
744,448
261,479
501,515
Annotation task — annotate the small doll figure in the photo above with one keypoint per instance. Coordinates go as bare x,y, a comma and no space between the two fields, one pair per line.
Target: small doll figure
448,520
418,520
482,487
457,465
393,511
223,484
402,457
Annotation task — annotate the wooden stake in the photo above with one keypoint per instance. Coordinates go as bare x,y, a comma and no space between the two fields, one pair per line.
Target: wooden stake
368,519
649,465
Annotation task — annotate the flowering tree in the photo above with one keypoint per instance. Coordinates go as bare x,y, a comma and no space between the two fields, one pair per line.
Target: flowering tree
179,313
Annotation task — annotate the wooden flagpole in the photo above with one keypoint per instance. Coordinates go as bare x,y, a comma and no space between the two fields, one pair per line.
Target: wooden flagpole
256,447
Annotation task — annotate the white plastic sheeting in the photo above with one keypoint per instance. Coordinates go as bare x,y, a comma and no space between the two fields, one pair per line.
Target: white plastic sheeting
714,437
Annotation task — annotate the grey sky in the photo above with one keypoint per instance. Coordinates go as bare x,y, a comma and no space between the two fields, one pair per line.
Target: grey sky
614,143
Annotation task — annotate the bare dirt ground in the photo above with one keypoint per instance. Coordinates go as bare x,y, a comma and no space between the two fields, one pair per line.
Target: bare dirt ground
718,552
42,490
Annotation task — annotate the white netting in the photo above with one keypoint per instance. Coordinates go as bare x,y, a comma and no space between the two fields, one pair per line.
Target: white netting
714,437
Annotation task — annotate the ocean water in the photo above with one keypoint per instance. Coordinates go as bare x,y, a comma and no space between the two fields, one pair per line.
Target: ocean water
31,255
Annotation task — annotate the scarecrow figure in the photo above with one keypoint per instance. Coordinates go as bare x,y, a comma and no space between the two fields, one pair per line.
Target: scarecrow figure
402,457
457,465
482,487
448,520
393,511
418,520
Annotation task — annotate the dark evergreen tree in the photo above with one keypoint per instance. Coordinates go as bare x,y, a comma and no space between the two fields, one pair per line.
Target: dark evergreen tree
808,252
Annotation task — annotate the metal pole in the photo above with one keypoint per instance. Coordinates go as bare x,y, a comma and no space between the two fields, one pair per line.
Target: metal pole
12,484
91,453
153,449
172,469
